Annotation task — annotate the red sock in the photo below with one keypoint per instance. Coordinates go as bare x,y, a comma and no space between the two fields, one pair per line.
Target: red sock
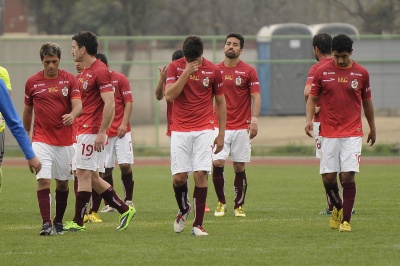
240,184
61,205
112,198
44,200
199,201
82,201
128,183
349,196
109,180
95,202
219,183
181,196
75,185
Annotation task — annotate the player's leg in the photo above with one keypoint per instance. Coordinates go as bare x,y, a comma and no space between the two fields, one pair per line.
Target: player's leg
125,158
2,138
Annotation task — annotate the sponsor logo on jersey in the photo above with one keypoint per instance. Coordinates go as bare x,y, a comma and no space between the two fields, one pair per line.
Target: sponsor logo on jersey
194,77
206,82
64,91
228,77
85,84
355,74
342,79
238,81
53,89
354,84
239,72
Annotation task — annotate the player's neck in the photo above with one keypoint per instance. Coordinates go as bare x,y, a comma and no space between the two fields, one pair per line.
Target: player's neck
228,62
88,61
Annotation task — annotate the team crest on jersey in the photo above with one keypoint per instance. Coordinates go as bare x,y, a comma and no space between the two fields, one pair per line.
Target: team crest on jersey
85,84
206,82
238,81
354,84
64,91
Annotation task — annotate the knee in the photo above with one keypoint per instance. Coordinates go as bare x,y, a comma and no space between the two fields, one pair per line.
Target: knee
125,168
219,163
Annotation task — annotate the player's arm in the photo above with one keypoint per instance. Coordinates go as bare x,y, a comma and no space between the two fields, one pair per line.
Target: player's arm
255,112
310,112
173,90
68,119
125,120
27,118
221,111
160,86
108,115
369,115
307,90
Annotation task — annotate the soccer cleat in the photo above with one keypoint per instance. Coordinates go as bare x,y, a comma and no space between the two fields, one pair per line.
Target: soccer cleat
74,227
129,203
206,209
94,218
353,211
107,208
345,227
180,220
58,228
199,231
221,209
336,218
326,212
85,218
239,212
125,218
47,230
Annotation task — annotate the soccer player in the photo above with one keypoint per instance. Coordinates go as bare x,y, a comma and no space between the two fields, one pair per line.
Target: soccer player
53,96
322,48
6,78
97,115
343,88
12,119
192,83
159,92
243,103
119,143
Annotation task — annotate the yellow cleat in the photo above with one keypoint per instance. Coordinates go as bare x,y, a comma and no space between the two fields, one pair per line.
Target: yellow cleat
239,212
345,227
336,218
85,218
221,209
94,218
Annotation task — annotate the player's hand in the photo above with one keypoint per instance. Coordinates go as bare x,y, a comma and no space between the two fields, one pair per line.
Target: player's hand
218,144
309,129
252,130
121,131
371,137
163,73
68,119
191,67
100,142
34,165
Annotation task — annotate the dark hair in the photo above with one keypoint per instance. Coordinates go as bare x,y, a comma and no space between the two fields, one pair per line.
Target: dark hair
192,47
102,58
50,49
237,36
323,42
342,43
177,55
87,39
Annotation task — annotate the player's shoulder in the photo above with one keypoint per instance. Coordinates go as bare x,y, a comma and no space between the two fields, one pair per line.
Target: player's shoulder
3,71
37,77
65,74
359,67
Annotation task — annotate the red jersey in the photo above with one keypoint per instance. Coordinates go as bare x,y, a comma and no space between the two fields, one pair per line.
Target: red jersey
310,78
93,80
122,95
169,116
193,108
239,83
51,99
341,91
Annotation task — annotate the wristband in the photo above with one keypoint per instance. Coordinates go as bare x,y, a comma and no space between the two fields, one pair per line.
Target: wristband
254,120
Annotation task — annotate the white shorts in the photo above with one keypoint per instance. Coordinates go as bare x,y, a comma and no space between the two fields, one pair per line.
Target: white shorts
191,151
317,139
86,157
120,148
236,143
56,161
340,155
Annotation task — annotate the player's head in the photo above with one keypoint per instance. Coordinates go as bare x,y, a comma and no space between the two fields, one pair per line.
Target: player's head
234,43
192,48
237,36
50,49
50,54
85,40
102,58
177,55
322,42
342,48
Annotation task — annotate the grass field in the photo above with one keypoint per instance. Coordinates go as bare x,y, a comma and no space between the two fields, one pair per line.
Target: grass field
282,226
